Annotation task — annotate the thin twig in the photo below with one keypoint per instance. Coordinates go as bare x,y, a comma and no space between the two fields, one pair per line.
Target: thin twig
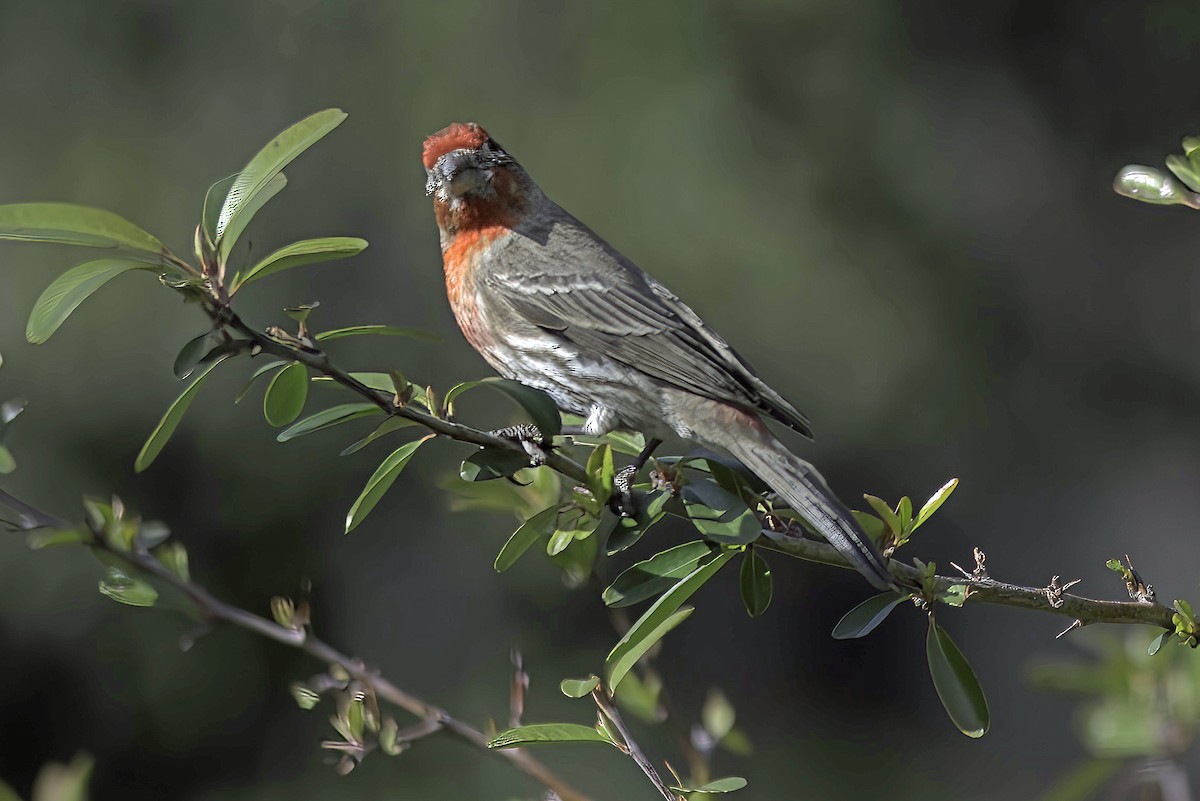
609,710
990,591
430,714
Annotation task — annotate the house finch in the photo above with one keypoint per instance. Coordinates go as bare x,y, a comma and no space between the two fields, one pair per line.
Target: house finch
550,304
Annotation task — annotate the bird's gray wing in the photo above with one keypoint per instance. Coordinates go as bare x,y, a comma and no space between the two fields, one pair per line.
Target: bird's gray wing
575,285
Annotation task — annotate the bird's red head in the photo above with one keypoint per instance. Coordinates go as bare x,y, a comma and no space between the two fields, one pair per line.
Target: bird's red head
455,136
474,183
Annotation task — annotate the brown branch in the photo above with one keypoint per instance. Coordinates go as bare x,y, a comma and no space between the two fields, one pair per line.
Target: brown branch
434,716
609,710
990,591
318,361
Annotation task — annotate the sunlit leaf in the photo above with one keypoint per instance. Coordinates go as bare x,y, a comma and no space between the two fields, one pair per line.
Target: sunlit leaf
755,581
7,462
328,418
935,502
1185,171
285,396
69,224
1152,186
578,688
526,535
71,289
381,481
170,421
866,617
48,538
547,733
377,330
258,175
307,251
174,557
662,616
956,683
57,782
657,574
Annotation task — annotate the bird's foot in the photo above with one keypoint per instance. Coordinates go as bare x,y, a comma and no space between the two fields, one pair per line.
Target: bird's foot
529,437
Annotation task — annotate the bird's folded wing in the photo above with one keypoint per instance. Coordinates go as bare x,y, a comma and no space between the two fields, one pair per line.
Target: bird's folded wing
621,313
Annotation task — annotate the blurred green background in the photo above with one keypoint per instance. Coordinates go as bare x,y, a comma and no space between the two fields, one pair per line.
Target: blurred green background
899,211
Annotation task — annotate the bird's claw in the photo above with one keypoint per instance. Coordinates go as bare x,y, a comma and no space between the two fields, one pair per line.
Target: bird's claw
529,437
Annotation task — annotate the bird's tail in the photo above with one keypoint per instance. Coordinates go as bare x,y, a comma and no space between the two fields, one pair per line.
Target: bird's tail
799,483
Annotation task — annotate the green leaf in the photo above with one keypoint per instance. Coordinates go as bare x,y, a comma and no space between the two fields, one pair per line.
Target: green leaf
717,715
381,481
956,683
657,574
71,289
191,354
174,557
718,514
578,688
640,697
662,616
885,512
307,251
904,511
214,198
875,528
259,373
300,312
864,618
125,589
386,427
47,538
1158,642
1185,171
600,473
7,462
286,394
537,404
934,503
492,463
579,528
526,535
1152,186
258,176
725,785
650,508
547,733
620,441
170,421
7,793
377,330
328,418
69,224
755,578
380,382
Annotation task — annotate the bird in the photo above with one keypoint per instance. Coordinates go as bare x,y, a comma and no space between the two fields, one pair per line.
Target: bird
549,303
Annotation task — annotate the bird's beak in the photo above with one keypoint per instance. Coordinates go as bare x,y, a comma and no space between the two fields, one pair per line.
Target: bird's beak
455,174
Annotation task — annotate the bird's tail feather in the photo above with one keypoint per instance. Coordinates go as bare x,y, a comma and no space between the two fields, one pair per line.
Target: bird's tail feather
799,483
